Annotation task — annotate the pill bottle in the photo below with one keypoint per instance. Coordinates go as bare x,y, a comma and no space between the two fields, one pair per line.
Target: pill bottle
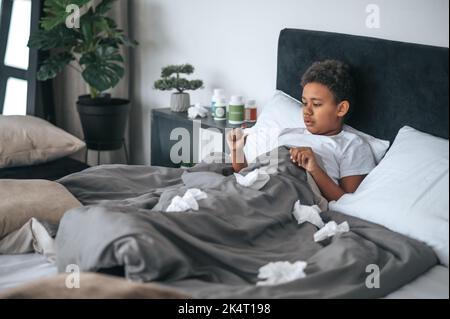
220,109
217,93
250,111
236,110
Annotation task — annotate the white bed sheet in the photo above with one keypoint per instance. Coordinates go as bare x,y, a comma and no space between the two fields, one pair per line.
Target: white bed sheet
16,270
431,285
20,269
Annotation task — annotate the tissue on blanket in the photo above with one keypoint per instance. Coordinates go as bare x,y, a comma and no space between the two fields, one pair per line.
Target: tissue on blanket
331,229
256,179
197,110
304,213
280,272
187,202
31,237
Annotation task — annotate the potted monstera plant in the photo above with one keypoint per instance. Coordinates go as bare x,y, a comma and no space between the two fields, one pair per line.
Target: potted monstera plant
91,46
171,80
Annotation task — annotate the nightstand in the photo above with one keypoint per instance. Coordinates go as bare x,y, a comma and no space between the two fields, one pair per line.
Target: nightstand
177,139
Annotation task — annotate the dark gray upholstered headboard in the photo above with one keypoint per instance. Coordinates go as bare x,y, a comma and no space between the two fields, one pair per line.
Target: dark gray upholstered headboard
397,83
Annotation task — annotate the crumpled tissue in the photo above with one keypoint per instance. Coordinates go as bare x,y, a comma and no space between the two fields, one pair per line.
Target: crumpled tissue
31,237
256,179
280,272
331,229
197,110
311,214
187,202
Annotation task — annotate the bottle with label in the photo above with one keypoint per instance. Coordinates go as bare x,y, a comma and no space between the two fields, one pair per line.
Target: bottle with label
250,111
218,93
236,110
220,109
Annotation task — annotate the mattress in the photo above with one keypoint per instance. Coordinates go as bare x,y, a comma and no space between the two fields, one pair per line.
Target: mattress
431,285
16,270
50,171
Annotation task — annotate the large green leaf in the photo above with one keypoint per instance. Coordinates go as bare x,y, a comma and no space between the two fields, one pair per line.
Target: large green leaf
103,68
87,27
101,26
127,41
118,40
53,65
104,6
58,37
111,23
55,12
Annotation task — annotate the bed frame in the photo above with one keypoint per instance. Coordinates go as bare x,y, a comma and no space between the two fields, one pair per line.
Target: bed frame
397,83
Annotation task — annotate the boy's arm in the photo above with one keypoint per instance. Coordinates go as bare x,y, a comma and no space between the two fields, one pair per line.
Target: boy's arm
304,157
350,183
236,139
238,160
328,187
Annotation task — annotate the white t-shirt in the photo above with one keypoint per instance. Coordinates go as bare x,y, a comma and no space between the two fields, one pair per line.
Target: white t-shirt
340,155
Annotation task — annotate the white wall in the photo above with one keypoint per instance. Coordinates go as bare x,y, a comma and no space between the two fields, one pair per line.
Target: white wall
233,43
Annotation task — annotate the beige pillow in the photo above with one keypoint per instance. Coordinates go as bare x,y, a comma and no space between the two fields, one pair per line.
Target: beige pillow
28,140
92,286
21,200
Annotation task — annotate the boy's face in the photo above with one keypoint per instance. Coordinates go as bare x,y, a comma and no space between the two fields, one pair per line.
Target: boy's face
321,113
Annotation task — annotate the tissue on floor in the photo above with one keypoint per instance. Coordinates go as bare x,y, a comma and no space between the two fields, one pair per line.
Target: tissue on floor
280,272
311,214
187,202
331,229
256,179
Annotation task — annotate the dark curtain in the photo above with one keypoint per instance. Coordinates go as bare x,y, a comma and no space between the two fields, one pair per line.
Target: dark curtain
44,95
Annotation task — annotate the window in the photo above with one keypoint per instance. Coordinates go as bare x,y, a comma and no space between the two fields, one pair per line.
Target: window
18,18
17,53
15,102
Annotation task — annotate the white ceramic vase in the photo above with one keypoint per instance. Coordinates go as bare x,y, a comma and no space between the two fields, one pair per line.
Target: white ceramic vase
180,102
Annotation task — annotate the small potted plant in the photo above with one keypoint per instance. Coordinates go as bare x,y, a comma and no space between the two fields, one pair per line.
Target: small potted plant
170,80
93,49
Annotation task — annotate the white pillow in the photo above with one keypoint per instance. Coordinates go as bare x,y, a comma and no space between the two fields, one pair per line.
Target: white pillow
283,111
28,140
279,113
378,146
408,191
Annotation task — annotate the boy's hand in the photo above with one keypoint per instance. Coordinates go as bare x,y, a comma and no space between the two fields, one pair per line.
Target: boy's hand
304,157
236,139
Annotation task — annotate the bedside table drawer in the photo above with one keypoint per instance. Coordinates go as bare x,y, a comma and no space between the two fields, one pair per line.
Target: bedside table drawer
171,142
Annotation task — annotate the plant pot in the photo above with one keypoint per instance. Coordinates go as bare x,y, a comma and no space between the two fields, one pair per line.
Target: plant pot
180,102
103,120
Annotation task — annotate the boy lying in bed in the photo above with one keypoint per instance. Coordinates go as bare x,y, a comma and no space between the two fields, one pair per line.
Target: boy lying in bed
337,160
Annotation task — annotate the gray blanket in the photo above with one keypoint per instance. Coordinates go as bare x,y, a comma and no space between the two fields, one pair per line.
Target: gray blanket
216,252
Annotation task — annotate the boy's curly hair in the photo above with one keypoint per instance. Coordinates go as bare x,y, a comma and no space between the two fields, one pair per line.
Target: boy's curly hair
335,75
